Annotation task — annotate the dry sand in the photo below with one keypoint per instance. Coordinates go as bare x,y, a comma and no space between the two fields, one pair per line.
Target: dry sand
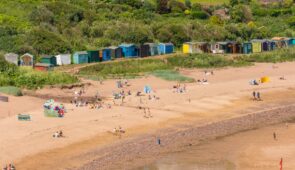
31,146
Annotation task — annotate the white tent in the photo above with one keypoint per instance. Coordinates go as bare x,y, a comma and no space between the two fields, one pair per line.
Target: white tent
63,59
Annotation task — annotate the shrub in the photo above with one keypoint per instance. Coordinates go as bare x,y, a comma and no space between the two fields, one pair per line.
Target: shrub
199,15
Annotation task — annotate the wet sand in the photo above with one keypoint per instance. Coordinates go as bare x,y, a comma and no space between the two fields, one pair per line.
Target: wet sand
254,149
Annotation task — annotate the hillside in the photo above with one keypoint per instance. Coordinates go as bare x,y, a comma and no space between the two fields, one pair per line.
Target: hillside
50,27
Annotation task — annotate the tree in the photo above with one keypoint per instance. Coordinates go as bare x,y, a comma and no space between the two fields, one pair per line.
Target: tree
233,2
215,20
291,21
162,6
241,13
188,3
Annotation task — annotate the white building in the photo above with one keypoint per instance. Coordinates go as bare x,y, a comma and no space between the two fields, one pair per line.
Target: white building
63,59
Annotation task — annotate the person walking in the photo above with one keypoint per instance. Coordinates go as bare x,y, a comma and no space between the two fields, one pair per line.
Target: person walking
258,96
254,95
274,136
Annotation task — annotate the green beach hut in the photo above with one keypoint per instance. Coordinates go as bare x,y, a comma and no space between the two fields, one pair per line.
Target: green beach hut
49,59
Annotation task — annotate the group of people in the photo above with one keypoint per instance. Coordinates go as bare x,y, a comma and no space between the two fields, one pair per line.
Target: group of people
179,89
58,134
256,95
118,131
121,83
9,167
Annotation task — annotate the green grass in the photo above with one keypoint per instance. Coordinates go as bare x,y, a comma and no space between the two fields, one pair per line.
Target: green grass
281,55
31,79
11,90
127,68
172,75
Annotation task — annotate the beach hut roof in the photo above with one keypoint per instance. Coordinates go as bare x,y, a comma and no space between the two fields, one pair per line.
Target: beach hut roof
113,47
12,55
63,55
127,45
259,40
166,43
222,42
81,52
27,54
48,56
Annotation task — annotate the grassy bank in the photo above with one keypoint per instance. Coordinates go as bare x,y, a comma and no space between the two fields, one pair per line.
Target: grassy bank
127,68
11,75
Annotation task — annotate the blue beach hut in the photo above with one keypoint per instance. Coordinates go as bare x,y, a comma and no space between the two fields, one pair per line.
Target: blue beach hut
80,57
129,50
166,48
106,54
247,47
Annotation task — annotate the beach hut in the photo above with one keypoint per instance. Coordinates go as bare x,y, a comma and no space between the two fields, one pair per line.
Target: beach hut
144,50
63,59
281,42
247,47
93,56
11,58
80,57
233,47
219,47
129,50
260,45
105,54
186,48
43,67
165,48
196,47
27,60
116,52
49,59
256,46
153,49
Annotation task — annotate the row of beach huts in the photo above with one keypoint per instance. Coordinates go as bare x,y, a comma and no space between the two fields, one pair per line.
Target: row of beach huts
232,47
47,62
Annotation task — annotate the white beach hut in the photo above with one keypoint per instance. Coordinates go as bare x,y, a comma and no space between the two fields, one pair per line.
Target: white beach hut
11,58
63,59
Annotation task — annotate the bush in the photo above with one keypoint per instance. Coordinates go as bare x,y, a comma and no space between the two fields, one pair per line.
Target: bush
291,21
199,15
11,90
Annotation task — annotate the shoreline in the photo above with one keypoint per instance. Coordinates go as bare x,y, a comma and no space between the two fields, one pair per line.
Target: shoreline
144,148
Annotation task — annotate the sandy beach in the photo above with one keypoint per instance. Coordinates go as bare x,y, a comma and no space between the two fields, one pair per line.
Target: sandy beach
88,143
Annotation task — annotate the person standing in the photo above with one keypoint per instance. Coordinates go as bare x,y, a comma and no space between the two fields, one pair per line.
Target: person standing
274,136
254,95
258,96
281,164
